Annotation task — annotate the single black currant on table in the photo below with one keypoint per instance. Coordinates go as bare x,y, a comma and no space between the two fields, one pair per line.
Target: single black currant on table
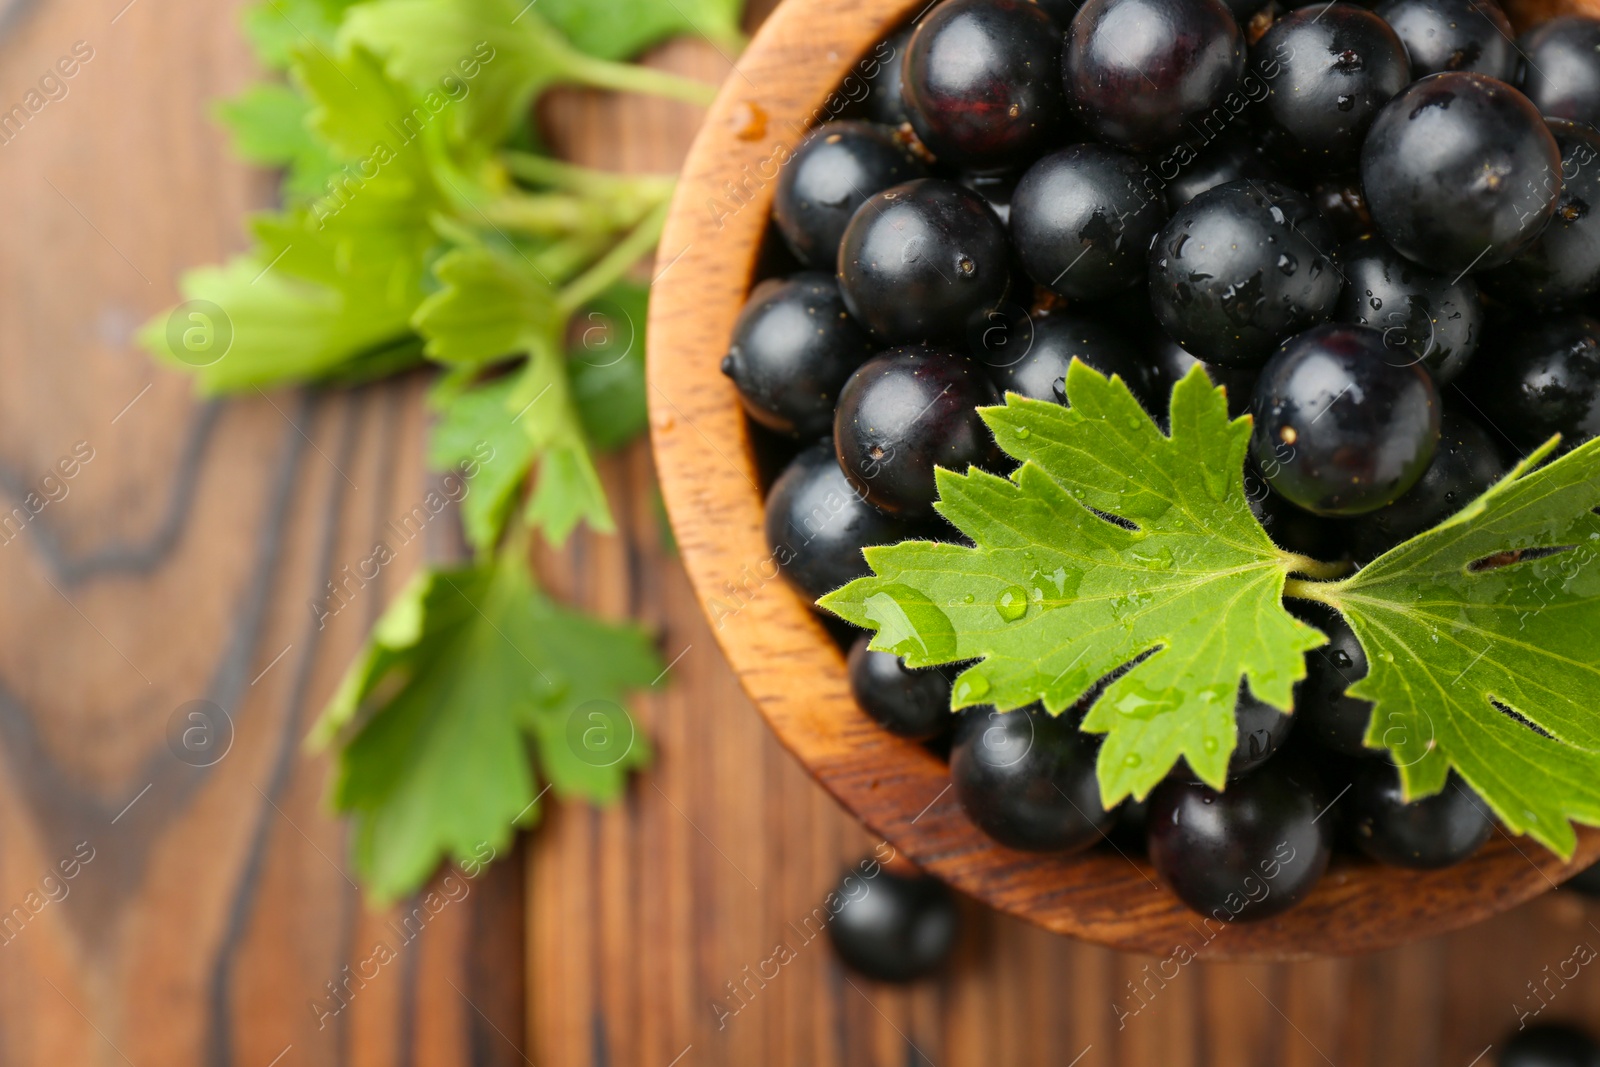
1561,68
1465,35
1231,156
982,81
1425,834
1341,429
1563,262
833,173
1338,64
905,411
1241,267
1139,72
793,348
1460,172
1424,316
881,70
1342,203
1467,463
1549,1045
817,524
1586,881
923,261
1027,779
1541,377
1328,714
892,927
906,702
1082,221
1245,854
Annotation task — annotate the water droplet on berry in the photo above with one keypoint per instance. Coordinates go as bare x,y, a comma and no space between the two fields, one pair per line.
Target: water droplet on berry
1012,603
1345,103
1288,264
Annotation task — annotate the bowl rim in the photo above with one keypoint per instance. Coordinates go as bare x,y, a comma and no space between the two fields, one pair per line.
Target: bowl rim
792,76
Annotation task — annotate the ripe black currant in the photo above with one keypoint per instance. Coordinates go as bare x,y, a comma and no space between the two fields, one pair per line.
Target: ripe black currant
1543,379
1231,156
1550,1045
923,261
906,702
1027,779
892,927
902,413
882,73
1040,348
1424,316
1440,35
838,167
1328,714
1340,428
1561,68
793,348
1431,832
1563,262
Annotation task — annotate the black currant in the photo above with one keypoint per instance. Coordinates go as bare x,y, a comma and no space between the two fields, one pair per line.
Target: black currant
923,261
1041,347
1541,378
1561,68
996,187
882,70
793,348
891,927
1327,713
1440,35
1082,221
1550,1045
1260,730
1428,833
1344,205
1424,316
1245,854
906,702
833,173
1563,262
1460,172
1339,65
1467,463
1231,156
817,524
1027,779
1241,267
982,81
1139,72
905,411
1340,428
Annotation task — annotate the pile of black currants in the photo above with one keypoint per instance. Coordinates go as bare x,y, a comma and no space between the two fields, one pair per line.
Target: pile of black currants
1378,228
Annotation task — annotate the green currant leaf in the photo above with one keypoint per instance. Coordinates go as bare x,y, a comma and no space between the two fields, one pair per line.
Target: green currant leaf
619,29
1478,618
1054,596
475,434
466,671
606,363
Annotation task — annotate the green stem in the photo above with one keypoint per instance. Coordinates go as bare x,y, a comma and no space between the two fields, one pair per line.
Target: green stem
1322,592
559,174
630,78
615,263
1311,568
560,214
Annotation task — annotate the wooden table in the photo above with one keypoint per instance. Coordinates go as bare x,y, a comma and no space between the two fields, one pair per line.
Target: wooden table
177,564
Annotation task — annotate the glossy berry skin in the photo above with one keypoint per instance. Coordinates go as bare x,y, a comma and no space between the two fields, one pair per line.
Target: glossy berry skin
1543,379
1340,64
1426,834
1239,268
1138,72
1082,221
832,173
1344,205
1561,68
1467,463
817,525
1441,35
1460,172
907,703
1550,1045
1424,316
1328,714
1036,364
884,103
1232,156
1340,428
1563,262
982,81
892,927
793,348
1245,854
922,261
1027,779
905,411
1261,731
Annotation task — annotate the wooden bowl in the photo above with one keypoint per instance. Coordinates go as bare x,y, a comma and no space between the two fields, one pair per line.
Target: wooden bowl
785,83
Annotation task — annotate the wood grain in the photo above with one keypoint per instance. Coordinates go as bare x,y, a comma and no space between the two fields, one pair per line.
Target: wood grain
795,674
